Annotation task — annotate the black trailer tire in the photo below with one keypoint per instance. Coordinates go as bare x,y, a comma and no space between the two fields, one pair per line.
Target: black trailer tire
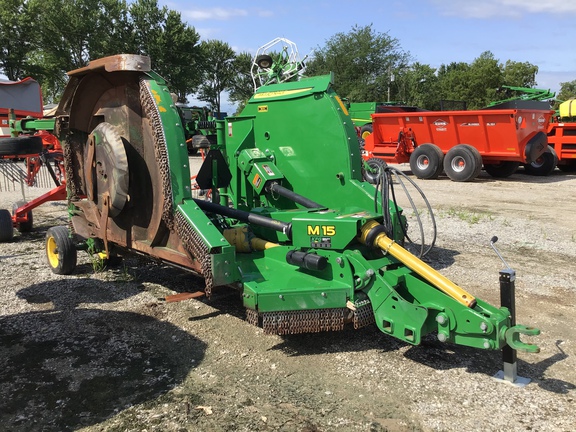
502,169
426,161
17,146
23,226
6,227
544,165
376,165
60,250
477,157
460,164
365,130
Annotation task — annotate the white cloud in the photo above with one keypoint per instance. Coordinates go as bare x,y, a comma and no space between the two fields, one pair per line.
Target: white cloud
552,79
504,8
208,32
216,13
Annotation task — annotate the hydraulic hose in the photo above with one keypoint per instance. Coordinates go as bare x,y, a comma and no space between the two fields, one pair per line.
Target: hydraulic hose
385,188
372,234
293,196
245,216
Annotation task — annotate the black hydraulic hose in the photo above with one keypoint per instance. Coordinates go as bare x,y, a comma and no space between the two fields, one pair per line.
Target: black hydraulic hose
293,196
384,181
245,216
423,251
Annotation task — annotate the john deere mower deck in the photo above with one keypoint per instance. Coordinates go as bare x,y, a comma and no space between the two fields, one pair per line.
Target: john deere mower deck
291,223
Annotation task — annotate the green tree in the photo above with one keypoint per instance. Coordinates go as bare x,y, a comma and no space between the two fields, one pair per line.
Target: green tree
241,87
475,83
453,81
172,45
484,79
47,38
18,38
519,74
567,91
71,33
218,71
418,86
363,62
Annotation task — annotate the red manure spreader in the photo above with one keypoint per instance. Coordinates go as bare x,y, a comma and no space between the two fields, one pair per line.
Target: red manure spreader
460,143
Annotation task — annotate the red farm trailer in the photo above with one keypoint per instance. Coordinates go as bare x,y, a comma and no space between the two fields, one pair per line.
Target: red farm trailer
562,138
459,142
23,137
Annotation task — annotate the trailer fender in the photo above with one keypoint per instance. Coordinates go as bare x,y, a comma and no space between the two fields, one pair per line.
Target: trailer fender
536,146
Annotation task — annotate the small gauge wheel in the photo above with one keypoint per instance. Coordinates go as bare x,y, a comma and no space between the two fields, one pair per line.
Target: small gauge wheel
60,250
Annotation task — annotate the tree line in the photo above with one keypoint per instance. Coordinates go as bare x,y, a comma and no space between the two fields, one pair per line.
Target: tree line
46,38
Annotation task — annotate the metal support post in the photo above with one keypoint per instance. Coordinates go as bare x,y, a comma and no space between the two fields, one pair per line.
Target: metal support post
508,300
509,354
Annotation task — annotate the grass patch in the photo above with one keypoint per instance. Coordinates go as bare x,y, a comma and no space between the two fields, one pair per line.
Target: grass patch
470,216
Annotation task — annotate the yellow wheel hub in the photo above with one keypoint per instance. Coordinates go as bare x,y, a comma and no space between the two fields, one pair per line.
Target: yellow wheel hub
52,252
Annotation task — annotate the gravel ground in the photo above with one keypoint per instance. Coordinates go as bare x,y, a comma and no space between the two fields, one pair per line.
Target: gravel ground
102,351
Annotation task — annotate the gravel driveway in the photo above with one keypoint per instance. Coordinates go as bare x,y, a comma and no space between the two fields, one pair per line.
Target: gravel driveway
103,351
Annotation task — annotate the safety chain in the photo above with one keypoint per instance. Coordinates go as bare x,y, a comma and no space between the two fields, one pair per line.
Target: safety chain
191,241
150,108
363,315
252,316
72,186
196,247
303,321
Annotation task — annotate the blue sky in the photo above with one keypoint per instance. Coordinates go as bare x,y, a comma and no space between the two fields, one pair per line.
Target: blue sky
434,32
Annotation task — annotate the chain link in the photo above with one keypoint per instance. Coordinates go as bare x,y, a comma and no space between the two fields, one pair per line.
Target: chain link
363,315
150,109
191,241
301,321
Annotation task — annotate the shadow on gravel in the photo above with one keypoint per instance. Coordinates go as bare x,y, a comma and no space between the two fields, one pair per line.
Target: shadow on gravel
430,353
347,340
439,356
440,258
68,367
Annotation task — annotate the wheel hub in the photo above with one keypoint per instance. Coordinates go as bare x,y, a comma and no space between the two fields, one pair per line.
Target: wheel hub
107,168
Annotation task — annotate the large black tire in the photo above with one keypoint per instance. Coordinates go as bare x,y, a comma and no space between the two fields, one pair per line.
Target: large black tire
20,146
461,164
60,250
376,166
365,130
23,226
544,165
477,157
502,169
6,227
426,161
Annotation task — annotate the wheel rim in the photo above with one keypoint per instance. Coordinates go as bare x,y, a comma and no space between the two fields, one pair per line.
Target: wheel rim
538,163
365,134
458,164
52,252
423,162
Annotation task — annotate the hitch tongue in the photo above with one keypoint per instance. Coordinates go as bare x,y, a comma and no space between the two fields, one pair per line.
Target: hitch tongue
513,338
